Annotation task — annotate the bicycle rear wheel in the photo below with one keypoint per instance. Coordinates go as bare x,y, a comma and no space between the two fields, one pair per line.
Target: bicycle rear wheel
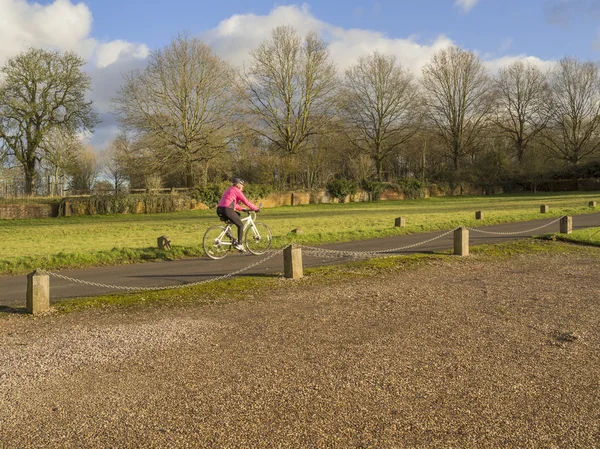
215,244
258,239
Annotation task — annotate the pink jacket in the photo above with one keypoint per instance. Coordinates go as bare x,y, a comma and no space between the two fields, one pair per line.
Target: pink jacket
231,197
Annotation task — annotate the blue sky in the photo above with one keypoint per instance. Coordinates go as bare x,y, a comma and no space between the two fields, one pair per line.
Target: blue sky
115,36
548,29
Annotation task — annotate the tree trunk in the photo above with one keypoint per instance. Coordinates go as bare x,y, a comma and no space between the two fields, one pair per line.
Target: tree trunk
379,169
29,170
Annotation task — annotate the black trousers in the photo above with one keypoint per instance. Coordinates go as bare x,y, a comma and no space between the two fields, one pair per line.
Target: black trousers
231,215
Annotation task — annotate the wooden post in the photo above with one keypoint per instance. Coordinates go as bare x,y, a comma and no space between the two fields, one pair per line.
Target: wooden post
566,225
544,209
461,242
38,293
479,215
163,243
67,210
400,222
292,262
592,204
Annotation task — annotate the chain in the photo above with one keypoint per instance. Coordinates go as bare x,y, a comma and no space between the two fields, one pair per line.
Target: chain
332,253
514,233
322,252
121,287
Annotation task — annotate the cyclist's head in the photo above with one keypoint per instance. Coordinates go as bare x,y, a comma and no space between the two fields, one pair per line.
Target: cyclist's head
237,182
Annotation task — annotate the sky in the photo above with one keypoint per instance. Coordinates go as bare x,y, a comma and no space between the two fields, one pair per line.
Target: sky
116,36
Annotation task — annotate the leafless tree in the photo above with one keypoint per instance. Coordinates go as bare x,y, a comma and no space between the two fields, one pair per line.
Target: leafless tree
522,104
381,104
40,91
289,86
181,105
575,119
84,171
60,151
458,100
116,161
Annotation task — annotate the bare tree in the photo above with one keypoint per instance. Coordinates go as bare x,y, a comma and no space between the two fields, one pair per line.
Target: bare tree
181,105
289,87
458,100
60,150
41,90
380,103
115,161
522,104
575,118
84,171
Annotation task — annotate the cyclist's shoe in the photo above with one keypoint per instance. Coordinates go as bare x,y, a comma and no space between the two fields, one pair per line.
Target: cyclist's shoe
239,247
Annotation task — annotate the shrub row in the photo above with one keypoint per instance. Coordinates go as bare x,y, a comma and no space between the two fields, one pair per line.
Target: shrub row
126,204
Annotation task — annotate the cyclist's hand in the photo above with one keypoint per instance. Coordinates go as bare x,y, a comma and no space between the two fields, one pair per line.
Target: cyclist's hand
257,210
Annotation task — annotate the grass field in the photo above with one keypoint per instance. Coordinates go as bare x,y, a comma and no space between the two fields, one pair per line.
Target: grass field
102,240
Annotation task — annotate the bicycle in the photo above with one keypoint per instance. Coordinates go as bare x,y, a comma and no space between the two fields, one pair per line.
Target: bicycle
218,240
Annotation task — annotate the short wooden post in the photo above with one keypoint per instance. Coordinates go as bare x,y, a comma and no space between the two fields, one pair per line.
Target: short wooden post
592,204
38,293
544,209
163,243
292,262
479,215
566,225
461,242
400,222
67,210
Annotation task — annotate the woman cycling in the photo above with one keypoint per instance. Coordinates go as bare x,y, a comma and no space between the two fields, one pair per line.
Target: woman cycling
228,205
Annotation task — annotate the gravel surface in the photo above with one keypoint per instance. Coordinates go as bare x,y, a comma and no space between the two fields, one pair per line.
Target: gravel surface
456,354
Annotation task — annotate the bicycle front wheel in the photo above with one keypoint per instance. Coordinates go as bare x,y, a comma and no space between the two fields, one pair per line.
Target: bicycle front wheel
258,239
215,244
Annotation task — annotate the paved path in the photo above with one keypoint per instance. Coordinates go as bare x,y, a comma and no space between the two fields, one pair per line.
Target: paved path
182,272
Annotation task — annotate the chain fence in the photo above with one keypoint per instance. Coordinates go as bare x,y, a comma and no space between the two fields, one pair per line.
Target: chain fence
515,233
121,287
315,251
332,253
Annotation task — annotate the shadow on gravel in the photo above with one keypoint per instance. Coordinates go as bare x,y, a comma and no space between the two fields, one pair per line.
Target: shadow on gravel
14,310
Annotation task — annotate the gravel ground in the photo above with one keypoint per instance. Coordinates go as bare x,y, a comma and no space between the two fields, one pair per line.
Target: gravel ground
455,354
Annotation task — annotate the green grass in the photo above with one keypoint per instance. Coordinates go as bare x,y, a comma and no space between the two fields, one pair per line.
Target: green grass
117,239
590,236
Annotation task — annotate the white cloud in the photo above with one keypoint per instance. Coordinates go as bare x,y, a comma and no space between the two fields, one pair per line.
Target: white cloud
63,25
494,65
111,52
234,38
60,25
466,5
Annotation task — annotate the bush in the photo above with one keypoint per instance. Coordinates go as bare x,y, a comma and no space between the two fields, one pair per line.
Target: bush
373,188
412,188
209,195
341,188
256,191
127,204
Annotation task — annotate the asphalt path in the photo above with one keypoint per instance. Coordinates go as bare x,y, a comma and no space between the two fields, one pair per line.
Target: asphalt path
13,289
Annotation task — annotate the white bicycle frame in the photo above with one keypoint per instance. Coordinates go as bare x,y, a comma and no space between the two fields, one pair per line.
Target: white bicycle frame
247,221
